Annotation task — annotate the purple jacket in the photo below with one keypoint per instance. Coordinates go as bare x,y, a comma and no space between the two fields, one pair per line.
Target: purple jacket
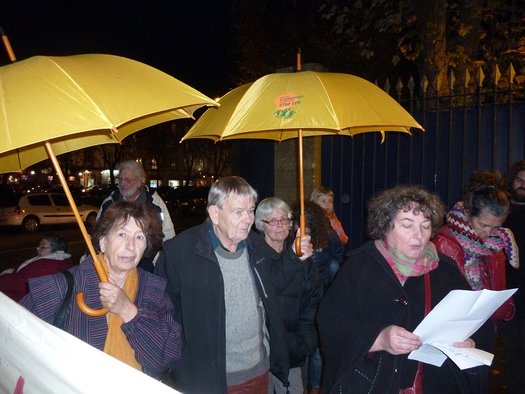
153,333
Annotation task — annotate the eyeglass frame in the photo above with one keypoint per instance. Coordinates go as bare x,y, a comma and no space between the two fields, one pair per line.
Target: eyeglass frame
128,181
284,221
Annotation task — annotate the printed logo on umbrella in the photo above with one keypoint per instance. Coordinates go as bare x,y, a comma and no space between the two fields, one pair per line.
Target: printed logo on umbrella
285,103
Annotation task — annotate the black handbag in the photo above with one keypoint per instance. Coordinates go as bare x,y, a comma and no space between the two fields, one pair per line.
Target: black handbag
61,314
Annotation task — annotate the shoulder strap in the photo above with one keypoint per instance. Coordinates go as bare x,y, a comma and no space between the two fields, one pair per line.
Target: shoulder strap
61,314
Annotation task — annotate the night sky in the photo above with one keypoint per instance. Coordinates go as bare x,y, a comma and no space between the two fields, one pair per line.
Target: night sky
190,40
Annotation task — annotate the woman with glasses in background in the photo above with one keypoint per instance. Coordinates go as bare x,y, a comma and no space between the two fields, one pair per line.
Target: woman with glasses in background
52,257
299,290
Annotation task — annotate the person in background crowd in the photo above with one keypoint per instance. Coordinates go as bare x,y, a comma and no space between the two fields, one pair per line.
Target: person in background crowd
328,253
131,187
382,293
219,277
52,257
513,331
298,289
140,328
324,197
474,239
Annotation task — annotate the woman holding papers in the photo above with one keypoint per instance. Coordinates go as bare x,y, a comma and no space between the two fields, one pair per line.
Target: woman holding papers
140,328
382,293
474,239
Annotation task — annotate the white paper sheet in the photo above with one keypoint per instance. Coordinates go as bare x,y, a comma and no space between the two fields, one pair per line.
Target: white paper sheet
459,315
36,357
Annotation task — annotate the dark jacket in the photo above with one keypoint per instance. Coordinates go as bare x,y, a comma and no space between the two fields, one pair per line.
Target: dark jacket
323,258
152,333
196,287
365,298
516,277
299,291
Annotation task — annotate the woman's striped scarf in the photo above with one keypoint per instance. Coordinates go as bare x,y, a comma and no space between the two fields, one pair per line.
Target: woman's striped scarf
475,248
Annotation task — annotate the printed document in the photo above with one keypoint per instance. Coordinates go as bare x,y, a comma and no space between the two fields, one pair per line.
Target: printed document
459,315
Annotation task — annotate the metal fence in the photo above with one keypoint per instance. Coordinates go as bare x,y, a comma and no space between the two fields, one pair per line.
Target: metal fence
479,125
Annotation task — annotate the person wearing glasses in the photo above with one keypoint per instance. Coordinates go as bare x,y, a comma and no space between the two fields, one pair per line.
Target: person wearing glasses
298,289
219,278
52,257
131,187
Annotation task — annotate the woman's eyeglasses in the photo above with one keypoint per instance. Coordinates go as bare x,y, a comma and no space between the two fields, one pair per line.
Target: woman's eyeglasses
275,222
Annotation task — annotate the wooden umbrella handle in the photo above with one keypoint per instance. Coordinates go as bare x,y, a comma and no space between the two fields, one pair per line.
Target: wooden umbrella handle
99,267
97,259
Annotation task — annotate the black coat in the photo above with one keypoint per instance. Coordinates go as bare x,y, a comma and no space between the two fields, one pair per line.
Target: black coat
299,290
195,284
365,298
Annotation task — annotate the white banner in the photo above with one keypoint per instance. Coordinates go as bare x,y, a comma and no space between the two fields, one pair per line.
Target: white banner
36,357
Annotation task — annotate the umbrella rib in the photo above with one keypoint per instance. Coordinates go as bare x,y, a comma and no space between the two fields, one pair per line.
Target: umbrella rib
86,95
4,113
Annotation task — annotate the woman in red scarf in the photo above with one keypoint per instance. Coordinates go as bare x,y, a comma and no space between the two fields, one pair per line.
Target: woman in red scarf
474,239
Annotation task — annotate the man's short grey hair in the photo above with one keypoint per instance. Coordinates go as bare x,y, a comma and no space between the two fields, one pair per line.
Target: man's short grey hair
135,167
265,209
227,185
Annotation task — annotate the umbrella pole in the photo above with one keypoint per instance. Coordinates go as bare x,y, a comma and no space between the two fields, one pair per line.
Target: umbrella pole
302,221
97,262
7,45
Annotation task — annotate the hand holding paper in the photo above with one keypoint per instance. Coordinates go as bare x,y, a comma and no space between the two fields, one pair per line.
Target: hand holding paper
459,315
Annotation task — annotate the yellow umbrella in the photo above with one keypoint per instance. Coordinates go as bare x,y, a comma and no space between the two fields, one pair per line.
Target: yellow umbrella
80,101
292,105
53,105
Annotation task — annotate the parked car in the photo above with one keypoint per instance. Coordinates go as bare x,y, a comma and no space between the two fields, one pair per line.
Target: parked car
36,209
185,201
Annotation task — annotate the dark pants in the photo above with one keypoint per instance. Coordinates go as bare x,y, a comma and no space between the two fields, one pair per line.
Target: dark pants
512,335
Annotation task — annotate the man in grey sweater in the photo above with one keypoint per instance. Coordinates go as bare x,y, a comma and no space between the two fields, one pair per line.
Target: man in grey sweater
218,276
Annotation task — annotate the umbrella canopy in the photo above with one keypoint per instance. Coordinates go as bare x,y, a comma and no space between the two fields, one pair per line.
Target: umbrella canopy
53,105
84,100
281,106
277,105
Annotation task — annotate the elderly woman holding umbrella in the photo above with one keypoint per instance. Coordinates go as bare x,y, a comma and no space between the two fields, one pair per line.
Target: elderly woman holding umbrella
382,293
140,329
298,287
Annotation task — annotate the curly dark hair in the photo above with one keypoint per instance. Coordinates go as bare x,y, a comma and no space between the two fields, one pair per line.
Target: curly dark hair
317,223
384,207
487,192
120,212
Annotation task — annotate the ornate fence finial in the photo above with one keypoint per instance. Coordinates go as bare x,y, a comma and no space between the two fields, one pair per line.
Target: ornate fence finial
481,76
511,74
424,84
451,81
386,87
399,86
497,75
411,85
467,79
